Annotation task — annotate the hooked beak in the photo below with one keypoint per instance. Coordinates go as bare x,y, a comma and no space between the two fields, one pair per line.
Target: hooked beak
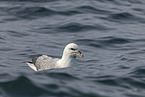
80,54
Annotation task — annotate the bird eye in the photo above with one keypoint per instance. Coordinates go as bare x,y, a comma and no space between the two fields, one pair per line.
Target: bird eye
72,49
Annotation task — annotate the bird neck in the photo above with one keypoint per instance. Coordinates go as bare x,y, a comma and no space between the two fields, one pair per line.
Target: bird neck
67,61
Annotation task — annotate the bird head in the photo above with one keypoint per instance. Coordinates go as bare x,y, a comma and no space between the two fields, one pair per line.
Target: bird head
72,50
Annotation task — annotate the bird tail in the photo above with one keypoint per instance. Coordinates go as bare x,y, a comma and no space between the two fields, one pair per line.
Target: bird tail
30,64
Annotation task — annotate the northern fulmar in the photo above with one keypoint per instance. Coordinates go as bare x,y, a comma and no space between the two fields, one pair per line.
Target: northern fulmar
68,59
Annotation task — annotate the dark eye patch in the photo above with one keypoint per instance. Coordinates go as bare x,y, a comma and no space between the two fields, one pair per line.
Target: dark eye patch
80,52
72,49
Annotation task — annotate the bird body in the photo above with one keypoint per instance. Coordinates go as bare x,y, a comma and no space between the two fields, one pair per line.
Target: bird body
68,59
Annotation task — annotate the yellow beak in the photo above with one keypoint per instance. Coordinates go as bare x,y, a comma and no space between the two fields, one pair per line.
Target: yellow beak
80,54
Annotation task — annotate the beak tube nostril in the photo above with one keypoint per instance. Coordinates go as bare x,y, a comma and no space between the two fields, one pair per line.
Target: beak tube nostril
79,53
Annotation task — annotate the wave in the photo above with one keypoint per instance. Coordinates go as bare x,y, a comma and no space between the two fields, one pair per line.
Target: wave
41,84
30,0
138,72
105,42
21,86
123,83
91,9
124,17
37,12
78,27
71,28
57,83
31,12
106,53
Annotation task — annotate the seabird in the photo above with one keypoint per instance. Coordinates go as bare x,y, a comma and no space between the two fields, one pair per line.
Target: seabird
68,59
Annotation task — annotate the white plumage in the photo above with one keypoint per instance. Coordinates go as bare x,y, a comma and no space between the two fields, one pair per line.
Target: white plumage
68,59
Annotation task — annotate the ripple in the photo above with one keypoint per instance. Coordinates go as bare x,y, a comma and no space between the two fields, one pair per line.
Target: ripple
77,27
122,16
138,72
71,28
90,42
36,12
135,2
30,0
115,40
32,12
125,82
127,59
17,34
6,49
138,83
1,38
90,9
105,42
61,76
138,9
125,18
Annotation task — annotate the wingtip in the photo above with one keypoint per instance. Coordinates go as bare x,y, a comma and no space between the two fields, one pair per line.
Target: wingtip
30,64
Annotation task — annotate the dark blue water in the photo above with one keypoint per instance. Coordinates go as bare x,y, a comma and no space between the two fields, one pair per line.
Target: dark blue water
110,33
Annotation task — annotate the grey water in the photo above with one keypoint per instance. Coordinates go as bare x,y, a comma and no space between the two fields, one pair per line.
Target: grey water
110,33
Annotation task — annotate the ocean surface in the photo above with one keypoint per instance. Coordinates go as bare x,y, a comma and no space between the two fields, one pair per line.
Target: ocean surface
110,33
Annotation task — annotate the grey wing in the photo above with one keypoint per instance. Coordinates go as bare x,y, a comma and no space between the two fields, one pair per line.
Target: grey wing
44,62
